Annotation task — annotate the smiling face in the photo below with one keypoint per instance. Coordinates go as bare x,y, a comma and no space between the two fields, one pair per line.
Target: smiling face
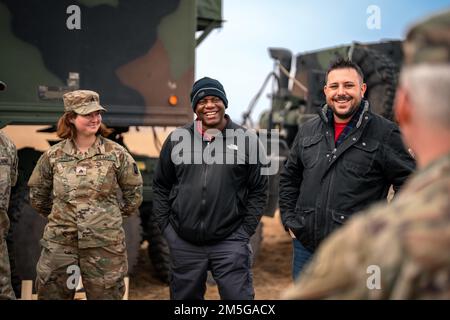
211,112
89,124
344,91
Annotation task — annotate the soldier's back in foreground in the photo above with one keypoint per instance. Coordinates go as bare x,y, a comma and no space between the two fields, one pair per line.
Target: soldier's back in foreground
8,178
401,251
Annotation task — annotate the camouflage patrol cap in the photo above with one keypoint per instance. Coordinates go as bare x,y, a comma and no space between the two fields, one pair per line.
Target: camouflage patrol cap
429,41
82,102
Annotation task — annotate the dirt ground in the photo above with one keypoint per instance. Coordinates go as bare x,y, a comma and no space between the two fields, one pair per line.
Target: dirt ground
271,271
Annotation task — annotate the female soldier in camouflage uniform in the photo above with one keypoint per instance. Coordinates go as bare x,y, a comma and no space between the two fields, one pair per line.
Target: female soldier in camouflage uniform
84,185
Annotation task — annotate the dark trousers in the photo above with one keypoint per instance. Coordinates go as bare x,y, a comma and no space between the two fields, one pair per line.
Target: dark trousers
229,261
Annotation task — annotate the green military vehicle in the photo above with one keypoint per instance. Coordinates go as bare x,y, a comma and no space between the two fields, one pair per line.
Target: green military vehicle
139,55
299,82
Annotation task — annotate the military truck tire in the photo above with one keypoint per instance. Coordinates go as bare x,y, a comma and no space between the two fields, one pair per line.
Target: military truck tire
23,239
274,179
272,201
380,74
256,241
158,251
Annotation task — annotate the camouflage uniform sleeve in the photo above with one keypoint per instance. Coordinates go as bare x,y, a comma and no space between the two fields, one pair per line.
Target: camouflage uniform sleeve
8,172
14,166
338,269
12,150
41,184
130,182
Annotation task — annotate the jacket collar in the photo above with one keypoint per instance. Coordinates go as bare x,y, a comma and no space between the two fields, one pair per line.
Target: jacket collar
97,148
325,111
197,129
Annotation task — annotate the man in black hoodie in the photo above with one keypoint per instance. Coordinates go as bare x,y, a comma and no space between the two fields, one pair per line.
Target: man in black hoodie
209,194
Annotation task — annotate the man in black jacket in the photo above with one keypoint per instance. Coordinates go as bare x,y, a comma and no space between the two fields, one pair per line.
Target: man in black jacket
209,193
340,162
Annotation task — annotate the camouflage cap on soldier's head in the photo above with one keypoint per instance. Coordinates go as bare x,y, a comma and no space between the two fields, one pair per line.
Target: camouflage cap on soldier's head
429,41
82,102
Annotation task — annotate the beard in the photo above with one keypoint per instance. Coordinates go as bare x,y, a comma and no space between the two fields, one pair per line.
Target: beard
350,112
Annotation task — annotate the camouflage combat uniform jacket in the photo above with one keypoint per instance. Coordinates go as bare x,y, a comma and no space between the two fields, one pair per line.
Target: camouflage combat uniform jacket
8,175
8,178
399,251
85,195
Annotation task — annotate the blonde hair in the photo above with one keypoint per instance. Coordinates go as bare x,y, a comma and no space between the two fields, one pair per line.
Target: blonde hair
66,130
428,87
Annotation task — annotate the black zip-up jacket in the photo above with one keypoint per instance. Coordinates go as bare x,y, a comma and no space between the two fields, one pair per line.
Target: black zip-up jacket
321,186
205,202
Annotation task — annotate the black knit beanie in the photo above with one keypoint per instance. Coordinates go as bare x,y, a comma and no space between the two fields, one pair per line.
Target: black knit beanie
207,87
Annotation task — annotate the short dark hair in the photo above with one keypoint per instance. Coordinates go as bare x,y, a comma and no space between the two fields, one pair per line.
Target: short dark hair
342,63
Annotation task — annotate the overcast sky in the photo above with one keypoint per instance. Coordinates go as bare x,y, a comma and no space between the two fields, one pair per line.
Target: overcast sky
237,53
